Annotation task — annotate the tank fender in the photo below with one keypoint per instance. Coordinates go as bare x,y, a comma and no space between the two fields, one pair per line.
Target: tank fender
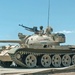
13,50
72,47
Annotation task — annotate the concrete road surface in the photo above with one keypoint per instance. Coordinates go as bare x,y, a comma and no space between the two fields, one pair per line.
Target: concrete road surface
37,71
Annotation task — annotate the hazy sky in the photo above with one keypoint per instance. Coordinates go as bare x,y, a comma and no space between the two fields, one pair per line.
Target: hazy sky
35,13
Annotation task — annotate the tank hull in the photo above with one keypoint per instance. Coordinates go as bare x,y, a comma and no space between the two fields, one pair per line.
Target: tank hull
4,56
5,59
61,56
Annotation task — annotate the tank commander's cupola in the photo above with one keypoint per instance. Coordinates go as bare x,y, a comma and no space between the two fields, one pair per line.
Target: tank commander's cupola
41,32
49,30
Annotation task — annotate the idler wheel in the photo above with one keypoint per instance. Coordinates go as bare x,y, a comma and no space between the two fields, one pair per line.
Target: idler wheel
56,60
18,55
30,61
73,59
66,60
46,60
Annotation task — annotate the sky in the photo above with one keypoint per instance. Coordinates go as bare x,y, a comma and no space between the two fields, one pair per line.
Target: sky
35,13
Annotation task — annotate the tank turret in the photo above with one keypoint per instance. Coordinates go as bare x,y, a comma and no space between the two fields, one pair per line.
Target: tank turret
40,38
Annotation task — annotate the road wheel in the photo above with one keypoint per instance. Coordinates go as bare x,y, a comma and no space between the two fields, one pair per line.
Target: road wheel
73,59
30,61
46,60
56,60
66,60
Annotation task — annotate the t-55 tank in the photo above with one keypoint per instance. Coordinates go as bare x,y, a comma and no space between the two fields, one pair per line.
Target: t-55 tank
42,49
5,59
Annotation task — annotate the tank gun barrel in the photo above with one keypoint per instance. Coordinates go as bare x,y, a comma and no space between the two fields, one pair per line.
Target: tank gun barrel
10,41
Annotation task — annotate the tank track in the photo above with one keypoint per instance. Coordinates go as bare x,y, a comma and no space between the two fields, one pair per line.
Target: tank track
43,57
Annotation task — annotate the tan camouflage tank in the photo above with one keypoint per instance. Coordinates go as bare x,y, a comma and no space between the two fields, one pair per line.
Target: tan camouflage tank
43,49
5,59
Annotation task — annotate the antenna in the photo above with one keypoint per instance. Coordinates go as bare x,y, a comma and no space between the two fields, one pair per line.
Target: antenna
48,11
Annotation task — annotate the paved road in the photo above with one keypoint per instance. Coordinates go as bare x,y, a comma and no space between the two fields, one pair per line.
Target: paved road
5,71
26,71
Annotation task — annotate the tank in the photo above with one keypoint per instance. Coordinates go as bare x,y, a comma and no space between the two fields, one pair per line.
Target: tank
42,49
5,59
